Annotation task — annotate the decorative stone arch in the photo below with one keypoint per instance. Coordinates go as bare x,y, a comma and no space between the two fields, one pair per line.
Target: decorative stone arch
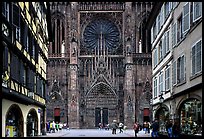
14,117
189,114
55,95
184,99
159,108
32,123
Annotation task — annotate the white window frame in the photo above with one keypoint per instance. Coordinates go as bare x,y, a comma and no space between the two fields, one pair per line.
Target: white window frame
167,41
158,22
167,78
174,34
154,56
161,55
174,75
162,18
195,45
164,43
161,88
152,35
166,11
195,19
155,87
183,18
180,70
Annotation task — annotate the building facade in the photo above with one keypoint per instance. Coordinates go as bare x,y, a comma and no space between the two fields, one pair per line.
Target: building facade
99,65
25,55
177,65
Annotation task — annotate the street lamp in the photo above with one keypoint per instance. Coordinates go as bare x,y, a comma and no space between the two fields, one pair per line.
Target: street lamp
161,99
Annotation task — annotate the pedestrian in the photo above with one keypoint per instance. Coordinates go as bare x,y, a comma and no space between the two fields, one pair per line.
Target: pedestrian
175,129
53,126
155,128
145,127
68,127
148,127
60,126
57,126
136,128
169,128
48,126
114,126
121,127
99,126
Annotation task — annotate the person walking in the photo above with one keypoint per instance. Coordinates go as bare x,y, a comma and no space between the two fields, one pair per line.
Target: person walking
121,127
53,126
48,126
175,129
57,126
136,128
114,127
169,128
155,128
148,127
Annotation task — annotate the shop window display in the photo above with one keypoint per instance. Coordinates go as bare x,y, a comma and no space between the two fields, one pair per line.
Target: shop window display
191,117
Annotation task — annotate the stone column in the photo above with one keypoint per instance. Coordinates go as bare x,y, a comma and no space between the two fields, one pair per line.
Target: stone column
73,94
129,93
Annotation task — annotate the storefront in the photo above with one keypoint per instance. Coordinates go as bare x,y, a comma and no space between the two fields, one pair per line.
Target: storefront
191,117
14,122
32,123
162,114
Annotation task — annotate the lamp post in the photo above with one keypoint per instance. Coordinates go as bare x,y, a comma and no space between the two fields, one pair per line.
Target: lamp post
161,99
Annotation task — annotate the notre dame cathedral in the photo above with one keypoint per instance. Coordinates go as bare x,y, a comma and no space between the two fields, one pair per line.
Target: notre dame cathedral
100,65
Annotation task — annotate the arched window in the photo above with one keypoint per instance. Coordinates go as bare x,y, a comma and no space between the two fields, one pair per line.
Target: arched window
191,117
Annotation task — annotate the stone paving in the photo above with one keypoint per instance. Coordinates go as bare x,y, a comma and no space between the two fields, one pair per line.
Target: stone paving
94,133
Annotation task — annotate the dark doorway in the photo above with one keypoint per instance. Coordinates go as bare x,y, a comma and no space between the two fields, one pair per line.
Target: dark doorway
57,115
14,122
97,116
105,116
32,123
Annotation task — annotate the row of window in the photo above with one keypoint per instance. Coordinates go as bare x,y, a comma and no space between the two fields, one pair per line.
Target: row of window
179,70
192,11
21,30
163,48
177,30
22,73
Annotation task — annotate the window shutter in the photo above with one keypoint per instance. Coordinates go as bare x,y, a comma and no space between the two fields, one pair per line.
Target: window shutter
193,60
186,17
16,13
197,10
198,57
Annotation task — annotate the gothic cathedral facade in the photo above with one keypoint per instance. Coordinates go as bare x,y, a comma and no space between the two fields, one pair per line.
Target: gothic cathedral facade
100,65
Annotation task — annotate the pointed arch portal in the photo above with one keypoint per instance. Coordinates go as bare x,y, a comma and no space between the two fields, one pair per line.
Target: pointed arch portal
102,100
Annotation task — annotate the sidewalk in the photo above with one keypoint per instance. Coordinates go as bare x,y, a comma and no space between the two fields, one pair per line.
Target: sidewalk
141,133
57,133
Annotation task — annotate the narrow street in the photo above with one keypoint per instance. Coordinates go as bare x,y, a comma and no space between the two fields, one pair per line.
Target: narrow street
94,133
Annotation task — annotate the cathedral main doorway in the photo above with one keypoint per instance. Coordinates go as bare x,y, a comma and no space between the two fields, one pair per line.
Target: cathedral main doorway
101,116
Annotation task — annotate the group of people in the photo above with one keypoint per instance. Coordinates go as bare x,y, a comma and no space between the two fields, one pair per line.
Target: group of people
171,128
114,126
53,127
